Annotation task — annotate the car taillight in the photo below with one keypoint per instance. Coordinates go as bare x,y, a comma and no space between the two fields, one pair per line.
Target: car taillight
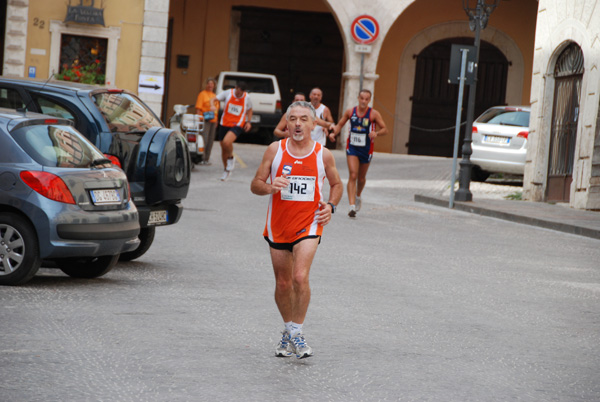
523,134
114,160
474,129
50,121
49,185
191,137
278,106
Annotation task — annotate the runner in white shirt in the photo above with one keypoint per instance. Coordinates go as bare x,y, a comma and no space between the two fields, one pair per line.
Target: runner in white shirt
281,129
323,113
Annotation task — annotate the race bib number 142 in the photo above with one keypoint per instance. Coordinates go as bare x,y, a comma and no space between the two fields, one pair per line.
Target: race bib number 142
301,188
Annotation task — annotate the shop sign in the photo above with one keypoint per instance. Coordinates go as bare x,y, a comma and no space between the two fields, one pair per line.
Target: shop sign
85,14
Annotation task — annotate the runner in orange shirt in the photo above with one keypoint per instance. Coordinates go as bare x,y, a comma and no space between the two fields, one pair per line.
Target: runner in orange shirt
297,168
237,113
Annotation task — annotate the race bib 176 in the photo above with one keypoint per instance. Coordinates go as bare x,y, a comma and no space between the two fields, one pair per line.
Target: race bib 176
235,110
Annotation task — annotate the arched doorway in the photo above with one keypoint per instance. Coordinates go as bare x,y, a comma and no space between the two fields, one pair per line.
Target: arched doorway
434,99
568,74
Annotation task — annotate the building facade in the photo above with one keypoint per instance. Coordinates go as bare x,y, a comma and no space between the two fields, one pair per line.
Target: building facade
181,43
44,38
563,161
310,44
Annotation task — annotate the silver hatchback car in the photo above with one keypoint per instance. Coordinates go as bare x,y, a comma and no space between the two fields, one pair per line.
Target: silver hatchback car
500,141
61,201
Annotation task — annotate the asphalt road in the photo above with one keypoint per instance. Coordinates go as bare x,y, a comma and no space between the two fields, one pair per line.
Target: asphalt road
410,302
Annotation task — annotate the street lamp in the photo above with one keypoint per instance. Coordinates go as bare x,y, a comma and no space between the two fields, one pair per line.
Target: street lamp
479,15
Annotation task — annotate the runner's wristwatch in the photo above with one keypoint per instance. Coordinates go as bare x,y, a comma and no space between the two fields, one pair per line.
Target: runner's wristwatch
332,208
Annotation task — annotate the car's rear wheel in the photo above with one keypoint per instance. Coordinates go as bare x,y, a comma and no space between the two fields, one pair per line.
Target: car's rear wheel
19,250
146,237
87,267
478,174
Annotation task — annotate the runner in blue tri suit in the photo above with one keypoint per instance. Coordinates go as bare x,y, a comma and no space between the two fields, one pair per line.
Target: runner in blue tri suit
365,125
359,143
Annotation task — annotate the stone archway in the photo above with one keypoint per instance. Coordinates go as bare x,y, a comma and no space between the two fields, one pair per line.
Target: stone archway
407,69
344,12
543,89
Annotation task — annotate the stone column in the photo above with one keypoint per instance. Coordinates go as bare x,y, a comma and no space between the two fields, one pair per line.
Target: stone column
15,46
352,78
154,45
345,12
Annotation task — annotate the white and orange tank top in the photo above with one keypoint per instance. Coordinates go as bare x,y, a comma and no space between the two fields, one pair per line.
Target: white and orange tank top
291,213
234,110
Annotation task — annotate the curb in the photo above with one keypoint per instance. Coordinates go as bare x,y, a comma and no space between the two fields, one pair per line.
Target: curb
512,217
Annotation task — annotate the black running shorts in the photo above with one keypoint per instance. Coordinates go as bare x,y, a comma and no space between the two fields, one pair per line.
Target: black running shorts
289,246
223,130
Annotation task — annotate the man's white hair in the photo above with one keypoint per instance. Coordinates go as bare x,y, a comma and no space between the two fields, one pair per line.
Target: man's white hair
304,104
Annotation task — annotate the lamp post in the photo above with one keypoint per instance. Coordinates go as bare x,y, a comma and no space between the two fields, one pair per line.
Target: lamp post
478,15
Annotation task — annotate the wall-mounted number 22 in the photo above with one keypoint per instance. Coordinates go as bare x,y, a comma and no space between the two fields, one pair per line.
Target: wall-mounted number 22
39,23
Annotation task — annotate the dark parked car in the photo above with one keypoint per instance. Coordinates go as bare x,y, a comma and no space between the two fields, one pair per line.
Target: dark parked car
61,200
124,128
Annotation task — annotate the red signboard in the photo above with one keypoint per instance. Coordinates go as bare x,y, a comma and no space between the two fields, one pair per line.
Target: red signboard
364,29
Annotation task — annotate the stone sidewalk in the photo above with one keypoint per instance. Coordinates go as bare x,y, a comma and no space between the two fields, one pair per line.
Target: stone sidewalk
549,216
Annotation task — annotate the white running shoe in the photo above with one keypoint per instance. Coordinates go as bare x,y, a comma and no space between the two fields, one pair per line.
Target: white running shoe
230,164
283,348
226,174
299,346
358,203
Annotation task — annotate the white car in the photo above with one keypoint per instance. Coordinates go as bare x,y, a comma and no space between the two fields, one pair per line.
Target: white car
500,141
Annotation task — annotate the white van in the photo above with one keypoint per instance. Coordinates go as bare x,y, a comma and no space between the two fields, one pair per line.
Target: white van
266,101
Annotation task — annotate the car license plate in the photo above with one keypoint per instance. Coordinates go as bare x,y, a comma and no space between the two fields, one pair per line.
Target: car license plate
255,118
494,139
157,217
104,197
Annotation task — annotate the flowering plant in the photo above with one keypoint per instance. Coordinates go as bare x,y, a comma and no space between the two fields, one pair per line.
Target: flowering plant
89,74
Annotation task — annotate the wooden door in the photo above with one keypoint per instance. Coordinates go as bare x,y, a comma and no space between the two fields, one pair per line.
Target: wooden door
434,100
568,74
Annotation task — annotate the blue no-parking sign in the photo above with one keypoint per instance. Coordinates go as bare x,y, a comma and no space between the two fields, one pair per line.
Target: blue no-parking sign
364,29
